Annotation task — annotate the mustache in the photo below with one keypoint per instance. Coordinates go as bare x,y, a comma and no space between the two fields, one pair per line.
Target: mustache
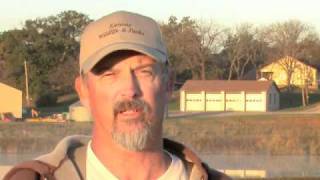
134,104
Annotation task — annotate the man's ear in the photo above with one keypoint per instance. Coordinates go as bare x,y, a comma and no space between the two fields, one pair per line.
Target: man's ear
82,91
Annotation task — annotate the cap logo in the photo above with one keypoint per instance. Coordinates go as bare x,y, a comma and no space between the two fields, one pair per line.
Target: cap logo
120,27
121,30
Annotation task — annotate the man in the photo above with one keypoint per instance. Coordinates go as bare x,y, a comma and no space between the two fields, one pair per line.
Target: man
125,82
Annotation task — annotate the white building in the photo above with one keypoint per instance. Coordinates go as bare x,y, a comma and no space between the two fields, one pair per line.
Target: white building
79,113
232,95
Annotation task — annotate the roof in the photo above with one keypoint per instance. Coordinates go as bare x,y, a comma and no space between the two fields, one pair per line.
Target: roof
292,58
227,85
2,85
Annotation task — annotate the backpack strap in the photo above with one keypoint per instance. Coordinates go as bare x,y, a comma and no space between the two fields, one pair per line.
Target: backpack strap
78,157
33,169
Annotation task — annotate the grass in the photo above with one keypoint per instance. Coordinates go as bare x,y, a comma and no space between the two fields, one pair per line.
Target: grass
263,134
23,137
174,105
288,134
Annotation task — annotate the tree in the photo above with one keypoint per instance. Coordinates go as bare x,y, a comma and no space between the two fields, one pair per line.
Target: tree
289,65
211,38
191,44
13,53
286,38
48,45
243,50
290,39
311,50
181,38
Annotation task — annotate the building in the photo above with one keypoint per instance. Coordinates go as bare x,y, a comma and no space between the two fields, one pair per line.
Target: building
233,95
79,113
11,100
301,73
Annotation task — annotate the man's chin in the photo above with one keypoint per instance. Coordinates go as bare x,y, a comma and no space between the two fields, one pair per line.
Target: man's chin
132,138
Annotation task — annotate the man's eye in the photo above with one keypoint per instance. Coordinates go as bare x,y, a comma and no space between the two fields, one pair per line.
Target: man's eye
149,72
108,73
145,72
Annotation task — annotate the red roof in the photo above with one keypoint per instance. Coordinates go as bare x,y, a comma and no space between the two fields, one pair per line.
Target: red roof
227,85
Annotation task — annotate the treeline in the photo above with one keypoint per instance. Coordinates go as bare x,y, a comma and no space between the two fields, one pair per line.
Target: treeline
197,50
50,47
206,50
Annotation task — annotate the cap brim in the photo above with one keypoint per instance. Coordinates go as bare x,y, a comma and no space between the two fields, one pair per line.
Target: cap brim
90,62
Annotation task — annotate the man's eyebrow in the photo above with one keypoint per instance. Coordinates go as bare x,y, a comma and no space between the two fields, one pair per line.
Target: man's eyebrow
152,65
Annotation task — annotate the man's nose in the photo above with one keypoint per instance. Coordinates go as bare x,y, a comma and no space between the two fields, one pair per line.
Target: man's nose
131,87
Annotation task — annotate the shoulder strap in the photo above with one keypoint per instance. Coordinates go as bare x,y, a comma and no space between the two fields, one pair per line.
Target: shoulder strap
33,169
78,157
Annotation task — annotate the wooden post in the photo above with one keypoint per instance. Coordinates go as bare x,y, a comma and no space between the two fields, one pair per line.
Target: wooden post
27,83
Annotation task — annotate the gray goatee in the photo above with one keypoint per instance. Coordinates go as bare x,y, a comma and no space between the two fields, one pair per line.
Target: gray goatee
136,140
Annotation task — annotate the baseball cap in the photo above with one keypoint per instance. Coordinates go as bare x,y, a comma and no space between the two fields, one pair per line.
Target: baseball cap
120,30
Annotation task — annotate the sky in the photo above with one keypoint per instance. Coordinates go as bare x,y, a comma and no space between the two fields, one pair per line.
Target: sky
226,12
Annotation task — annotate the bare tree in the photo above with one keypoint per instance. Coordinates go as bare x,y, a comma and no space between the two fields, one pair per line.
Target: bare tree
181,38
311,49
191,44
289,40
289,65
307,80
243,50
285,38
211,36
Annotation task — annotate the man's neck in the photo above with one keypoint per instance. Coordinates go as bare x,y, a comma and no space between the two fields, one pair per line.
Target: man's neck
125,164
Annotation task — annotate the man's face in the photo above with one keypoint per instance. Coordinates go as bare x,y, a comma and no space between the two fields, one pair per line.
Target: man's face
127,95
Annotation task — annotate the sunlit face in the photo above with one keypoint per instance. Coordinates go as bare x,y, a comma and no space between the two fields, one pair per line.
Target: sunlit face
127,95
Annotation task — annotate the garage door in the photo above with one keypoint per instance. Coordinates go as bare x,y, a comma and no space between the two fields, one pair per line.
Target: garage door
214,102
254,102
194,102
234,102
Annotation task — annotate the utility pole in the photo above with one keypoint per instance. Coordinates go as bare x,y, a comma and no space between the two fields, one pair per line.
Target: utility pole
27,85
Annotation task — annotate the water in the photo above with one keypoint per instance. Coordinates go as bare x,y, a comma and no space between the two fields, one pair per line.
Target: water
275,166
